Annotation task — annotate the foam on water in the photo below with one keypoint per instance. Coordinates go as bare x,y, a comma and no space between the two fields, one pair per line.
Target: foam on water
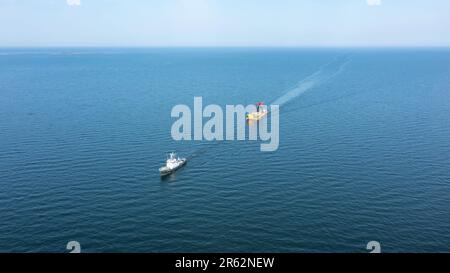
324,74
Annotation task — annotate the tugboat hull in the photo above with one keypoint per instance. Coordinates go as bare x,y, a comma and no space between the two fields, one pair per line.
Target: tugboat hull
165,171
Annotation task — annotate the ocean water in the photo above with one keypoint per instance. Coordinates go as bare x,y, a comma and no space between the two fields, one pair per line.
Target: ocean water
364,151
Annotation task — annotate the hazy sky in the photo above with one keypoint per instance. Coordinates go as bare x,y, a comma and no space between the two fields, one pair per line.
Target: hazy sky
224,22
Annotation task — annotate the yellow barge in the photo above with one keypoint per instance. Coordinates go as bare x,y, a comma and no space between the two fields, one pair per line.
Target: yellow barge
259,114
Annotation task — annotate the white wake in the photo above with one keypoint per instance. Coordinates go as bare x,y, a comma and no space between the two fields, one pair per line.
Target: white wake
323,75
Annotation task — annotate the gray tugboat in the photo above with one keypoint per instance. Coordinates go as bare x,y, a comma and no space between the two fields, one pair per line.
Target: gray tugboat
173,163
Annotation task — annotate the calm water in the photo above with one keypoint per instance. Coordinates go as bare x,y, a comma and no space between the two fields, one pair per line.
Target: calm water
363,156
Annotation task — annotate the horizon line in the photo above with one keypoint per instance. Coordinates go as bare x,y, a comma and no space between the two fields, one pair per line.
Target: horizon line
225,46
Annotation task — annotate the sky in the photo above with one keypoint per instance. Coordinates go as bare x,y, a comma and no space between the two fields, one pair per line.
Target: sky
222,23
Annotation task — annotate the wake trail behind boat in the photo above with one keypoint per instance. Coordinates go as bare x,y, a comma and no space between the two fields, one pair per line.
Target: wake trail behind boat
324,74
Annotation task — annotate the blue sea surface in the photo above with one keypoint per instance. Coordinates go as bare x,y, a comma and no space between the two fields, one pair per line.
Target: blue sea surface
364,153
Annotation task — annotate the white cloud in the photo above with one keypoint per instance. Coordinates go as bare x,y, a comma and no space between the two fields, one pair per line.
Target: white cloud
74,2
374,2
